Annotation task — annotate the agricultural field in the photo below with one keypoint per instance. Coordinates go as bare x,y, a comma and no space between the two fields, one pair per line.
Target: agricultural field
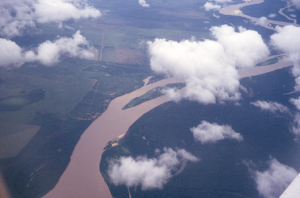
44,110
77,91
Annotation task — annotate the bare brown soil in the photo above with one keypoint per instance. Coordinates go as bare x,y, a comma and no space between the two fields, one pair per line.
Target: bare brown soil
125,56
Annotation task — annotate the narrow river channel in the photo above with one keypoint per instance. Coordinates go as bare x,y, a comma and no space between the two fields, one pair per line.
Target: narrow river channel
234,10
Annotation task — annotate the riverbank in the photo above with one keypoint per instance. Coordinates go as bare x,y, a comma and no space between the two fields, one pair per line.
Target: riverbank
234,10
82,177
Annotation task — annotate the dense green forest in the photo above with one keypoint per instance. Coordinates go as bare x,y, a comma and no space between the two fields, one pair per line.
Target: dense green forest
222,171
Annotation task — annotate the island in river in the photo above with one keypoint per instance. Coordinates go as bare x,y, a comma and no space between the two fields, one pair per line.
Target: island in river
115,121
77,92
75,182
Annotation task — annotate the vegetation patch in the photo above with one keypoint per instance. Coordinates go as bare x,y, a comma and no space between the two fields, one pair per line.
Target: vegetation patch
15,103
270,61
11,145
123,56
113,153
265,134
153,93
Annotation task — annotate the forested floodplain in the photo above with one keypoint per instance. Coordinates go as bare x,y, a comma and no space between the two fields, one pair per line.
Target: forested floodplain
264,135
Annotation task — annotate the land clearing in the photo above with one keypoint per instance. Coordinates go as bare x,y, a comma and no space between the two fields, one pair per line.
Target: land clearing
18,138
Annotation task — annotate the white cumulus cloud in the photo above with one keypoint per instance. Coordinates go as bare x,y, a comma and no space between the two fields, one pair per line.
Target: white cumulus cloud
296,126
143,3
211,133
47,53
272,15
222,1
270,106
296,102
262,21
10,53
287,39
272,182
149,173
16,15
296,3
172,94
208,67
62,10
245,47
210,6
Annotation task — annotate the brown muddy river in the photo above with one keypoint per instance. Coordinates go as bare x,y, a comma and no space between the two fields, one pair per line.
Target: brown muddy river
82,178
234,10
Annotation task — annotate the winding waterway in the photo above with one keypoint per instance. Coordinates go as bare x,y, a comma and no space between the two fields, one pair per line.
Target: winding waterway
234,10
82,177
